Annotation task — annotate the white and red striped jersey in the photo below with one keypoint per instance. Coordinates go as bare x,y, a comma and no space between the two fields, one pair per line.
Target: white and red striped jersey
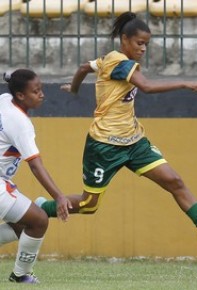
17,137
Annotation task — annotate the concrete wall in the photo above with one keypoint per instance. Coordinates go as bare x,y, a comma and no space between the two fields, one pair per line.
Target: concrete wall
53,46
179,103
136,217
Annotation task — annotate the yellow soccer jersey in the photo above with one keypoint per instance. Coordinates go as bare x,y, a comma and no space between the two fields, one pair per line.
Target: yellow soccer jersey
114,118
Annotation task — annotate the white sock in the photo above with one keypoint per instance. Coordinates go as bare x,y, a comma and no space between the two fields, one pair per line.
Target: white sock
28,249
7,234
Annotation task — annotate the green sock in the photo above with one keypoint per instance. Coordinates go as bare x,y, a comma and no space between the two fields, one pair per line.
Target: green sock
50,208
192,213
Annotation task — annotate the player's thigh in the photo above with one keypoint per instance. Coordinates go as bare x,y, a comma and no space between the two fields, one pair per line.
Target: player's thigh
25,212
13,204
34,217
7,197
90,202
165,176
18,209
89,199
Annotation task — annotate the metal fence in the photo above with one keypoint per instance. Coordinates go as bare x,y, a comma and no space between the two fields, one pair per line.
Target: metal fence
68,40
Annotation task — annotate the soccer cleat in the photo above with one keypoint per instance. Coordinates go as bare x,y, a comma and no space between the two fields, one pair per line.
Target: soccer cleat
27,278
40,200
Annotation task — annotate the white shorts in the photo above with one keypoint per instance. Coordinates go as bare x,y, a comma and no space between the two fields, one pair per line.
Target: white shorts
13,204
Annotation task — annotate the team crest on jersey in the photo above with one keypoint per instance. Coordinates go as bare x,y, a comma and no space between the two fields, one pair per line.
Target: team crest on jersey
130,95
1,125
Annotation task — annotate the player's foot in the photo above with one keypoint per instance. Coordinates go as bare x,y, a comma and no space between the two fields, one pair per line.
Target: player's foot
28,279
40,200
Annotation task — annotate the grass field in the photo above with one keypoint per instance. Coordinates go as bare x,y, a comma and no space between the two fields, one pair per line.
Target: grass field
112,274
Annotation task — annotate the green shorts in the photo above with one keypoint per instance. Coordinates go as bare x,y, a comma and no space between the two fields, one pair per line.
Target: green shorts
101,161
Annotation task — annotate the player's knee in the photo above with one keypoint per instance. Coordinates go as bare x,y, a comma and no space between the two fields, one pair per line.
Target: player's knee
90,204
44,221
40,224
176,182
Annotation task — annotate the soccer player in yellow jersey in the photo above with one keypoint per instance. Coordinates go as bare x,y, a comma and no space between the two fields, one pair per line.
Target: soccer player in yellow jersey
116,137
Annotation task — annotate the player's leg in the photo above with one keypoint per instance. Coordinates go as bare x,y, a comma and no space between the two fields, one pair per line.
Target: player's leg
150,163
17,228
7,234
33,222
10,232
100,163
86,203
7,200
168,179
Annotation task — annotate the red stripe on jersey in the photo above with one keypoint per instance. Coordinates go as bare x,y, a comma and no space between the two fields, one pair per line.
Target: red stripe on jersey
32,157
12,151
10,188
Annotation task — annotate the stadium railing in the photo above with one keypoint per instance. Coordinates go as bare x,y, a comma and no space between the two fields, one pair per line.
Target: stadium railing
47,11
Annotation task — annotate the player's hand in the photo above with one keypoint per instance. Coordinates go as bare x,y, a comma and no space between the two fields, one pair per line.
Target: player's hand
63,206
66,88
192,85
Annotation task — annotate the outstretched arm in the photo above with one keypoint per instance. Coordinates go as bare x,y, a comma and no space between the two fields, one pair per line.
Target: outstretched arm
39,171
159,86
78,78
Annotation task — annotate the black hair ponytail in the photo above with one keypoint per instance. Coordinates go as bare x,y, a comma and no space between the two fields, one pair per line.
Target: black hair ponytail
128,23
6,77
120,23
17,81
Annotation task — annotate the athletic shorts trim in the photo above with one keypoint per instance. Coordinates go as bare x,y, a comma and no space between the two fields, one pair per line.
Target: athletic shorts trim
150,166
94,190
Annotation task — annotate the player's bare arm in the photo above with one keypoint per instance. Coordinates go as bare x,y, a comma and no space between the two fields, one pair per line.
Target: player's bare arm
157,86
78,78
63,203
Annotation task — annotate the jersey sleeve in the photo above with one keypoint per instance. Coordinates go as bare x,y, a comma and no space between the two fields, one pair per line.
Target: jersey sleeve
26,145
96,64
24,139
124,70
